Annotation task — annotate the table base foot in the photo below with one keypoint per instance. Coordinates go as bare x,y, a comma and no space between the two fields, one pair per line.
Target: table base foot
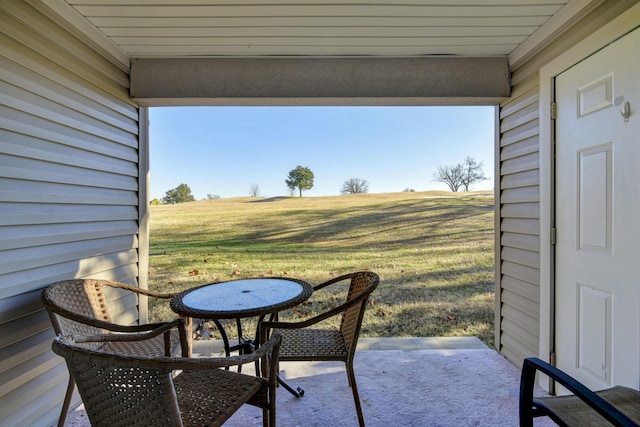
298,393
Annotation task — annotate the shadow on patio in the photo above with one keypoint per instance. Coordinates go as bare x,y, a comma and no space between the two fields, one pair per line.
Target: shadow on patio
402,382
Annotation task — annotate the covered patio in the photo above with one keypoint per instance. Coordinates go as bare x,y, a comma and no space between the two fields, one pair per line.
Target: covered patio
441,381
78,79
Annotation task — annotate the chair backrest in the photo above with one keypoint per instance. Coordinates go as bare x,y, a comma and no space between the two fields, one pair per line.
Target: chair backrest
121,390
363,283
70,302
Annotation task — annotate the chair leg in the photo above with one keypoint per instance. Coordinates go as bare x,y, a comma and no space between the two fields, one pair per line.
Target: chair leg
272,408
67,402
354,388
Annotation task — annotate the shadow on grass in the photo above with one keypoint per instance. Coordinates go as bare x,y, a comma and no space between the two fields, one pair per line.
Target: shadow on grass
405,224
270,199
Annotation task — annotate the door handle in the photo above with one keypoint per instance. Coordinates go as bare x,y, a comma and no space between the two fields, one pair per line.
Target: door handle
626,111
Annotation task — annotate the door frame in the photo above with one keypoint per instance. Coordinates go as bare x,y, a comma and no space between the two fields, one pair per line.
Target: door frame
617,28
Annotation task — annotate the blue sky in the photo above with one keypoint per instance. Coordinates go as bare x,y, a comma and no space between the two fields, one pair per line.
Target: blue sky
224,150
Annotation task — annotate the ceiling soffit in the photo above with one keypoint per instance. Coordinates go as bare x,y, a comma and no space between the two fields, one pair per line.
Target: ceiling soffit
338,36
295,81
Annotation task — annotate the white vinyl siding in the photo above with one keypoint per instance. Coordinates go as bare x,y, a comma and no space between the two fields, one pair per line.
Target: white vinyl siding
69,195
519,227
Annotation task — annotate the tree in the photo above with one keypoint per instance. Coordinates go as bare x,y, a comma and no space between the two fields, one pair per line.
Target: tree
155,202
472,173
355,186
450,175
254,190
212,197
462,175
300,178
180,194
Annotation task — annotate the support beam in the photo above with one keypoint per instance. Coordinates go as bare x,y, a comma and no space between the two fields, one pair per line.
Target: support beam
320,81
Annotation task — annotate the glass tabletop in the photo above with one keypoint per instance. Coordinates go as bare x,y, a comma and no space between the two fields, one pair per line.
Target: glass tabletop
241,298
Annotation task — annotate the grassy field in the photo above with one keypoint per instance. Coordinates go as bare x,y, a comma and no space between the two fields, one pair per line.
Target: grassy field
433,252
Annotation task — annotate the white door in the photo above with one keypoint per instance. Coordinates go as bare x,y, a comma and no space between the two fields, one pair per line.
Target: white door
598,217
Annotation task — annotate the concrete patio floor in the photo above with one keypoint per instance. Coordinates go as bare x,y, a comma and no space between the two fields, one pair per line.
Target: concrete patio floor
439,382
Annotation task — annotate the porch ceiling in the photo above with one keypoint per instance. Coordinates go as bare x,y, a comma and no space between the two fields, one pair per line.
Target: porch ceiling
317,52
127,29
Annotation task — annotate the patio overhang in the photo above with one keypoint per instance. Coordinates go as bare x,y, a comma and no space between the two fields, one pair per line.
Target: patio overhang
320,81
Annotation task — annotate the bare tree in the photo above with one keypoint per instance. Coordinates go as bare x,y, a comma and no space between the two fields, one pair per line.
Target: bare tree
355,186
453,176
472,173
462,175
254,190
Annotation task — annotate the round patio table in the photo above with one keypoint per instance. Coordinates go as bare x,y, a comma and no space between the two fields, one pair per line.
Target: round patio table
238,299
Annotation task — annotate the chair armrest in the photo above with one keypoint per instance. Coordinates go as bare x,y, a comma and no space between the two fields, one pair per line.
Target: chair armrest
527,380
269,352
152,331
141,291
101,324
159,329
332,281
316,319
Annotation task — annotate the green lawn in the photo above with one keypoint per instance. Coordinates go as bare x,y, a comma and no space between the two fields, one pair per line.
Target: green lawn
433,252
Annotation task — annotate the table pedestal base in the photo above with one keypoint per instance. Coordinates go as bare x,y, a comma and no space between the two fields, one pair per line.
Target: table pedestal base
298,392
246,346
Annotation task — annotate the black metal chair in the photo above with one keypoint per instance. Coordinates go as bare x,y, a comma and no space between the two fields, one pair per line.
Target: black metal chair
618,406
